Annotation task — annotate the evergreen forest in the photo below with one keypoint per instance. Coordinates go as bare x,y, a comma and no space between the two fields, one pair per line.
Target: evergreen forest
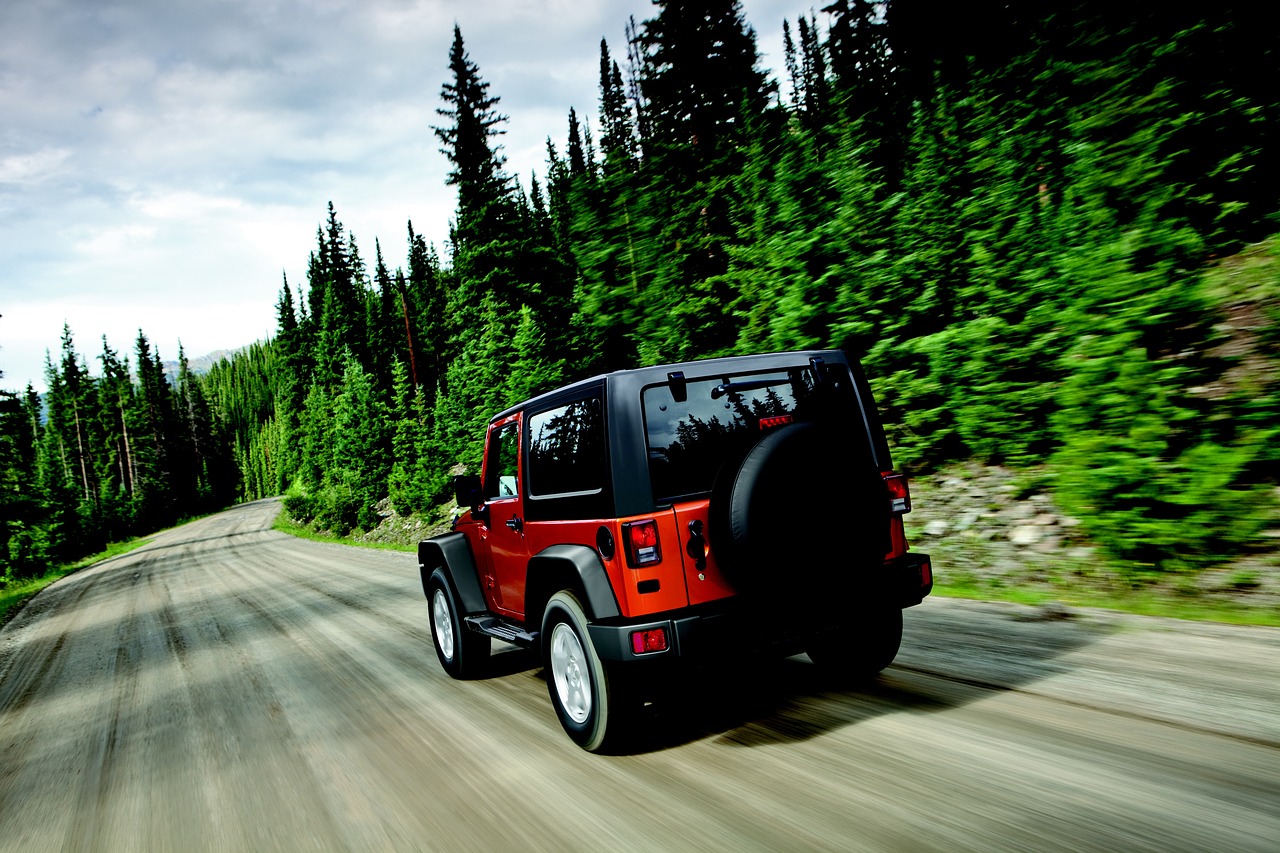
1014,213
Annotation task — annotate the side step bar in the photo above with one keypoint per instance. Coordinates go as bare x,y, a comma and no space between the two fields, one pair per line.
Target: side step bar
495,626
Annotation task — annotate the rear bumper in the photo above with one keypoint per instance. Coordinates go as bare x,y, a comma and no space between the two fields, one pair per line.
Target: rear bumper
733,629
912,577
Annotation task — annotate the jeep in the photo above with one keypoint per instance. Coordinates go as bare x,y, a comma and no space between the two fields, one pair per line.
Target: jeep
678,514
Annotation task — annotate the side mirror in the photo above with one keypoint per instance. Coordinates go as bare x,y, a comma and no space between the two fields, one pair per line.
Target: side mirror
466,490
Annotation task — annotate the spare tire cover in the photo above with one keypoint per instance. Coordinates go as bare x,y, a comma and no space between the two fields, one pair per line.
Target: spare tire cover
805,505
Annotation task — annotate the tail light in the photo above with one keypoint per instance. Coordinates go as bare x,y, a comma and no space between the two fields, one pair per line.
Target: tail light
899,494
647,642
641,538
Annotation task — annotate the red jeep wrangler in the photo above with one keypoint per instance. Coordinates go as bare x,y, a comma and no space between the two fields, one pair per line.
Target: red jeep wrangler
687,511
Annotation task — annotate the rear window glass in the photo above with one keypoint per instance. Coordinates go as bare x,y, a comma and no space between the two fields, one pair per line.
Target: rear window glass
566,449
689,440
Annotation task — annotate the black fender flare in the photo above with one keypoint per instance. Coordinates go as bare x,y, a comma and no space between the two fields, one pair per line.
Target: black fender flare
561,566
451,553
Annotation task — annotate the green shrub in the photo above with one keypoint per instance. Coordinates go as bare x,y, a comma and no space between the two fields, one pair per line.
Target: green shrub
300,505
1153,481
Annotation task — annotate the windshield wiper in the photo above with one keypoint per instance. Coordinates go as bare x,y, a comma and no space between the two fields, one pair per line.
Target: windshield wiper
730,387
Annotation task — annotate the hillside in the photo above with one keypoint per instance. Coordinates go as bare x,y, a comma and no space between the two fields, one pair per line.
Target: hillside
997,532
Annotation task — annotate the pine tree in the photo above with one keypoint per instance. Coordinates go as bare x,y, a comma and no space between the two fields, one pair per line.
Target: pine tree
617,130
700,77
21,531
118,469
577,153
427,343
361,450
467,139
384,323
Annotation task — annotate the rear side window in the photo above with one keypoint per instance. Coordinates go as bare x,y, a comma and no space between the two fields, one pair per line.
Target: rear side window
566,450
690,439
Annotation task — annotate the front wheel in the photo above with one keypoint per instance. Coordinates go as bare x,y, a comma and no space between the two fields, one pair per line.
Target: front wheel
462,653
584,694
861,647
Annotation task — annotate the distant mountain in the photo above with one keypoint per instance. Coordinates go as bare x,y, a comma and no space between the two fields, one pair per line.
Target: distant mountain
200,365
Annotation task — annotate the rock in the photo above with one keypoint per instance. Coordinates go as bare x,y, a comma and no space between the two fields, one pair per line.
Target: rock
1051,610
1025,534
1048,545
937,527
1045,519
1022,510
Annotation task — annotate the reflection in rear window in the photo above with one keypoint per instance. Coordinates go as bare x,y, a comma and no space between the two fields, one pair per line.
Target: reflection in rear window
566,449
689,440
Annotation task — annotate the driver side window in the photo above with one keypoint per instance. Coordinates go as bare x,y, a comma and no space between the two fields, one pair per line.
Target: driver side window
501,477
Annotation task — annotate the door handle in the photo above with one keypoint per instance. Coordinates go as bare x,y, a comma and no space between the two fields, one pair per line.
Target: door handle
515,523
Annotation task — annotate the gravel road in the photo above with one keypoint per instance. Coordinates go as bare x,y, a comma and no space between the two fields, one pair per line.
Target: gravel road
228,687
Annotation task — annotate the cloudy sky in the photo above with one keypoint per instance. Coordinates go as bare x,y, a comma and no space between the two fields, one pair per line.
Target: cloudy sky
164,162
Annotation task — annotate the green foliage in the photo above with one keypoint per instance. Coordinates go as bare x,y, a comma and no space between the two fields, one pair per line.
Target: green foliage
361,447
103,457
1142,470
21,586
414,481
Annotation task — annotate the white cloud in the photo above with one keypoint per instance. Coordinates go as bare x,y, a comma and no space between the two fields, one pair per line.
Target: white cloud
32,168
182,204
114,241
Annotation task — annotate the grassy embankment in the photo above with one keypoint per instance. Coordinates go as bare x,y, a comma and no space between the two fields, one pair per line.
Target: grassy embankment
285,524
17,593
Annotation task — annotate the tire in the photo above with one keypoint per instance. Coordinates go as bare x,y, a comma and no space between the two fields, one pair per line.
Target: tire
858,650
802,511
585,693
462,653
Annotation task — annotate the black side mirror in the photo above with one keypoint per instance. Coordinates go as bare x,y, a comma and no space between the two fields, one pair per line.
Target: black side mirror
466,490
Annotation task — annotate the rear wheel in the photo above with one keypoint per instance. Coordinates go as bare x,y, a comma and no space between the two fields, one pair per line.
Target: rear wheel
585,694
462,653
857,650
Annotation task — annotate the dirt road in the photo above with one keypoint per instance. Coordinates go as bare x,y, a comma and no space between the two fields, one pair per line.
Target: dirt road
230,688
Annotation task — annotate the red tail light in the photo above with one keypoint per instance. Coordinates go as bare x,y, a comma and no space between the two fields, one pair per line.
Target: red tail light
899,493
779,420
641,538
647,642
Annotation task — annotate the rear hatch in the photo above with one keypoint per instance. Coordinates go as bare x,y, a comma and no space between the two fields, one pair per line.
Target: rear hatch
696,425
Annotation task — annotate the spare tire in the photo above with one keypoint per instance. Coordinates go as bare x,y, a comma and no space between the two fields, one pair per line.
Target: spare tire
802,514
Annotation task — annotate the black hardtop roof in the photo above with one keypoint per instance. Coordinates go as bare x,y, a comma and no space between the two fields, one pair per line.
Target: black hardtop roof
702,367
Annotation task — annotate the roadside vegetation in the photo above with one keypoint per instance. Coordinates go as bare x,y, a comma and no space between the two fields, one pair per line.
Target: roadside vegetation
1047,229
285,523
16,593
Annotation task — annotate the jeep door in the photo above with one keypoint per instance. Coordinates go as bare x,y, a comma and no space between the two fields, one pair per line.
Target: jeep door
504,536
